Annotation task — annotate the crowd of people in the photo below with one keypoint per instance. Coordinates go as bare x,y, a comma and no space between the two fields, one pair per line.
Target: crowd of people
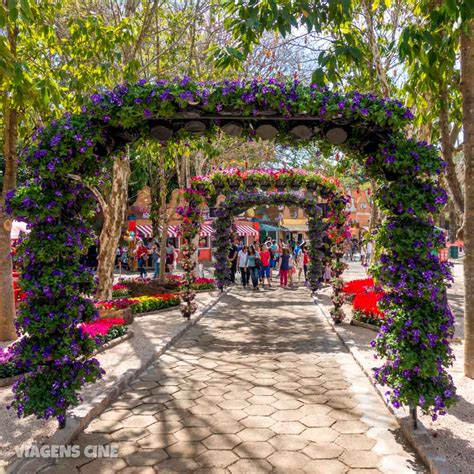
259,262
146,254
356,251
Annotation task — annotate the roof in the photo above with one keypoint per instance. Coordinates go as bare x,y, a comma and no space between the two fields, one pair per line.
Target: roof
272,228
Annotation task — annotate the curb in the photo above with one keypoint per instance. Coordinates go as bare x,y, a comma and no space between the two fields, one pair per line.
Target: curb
420,440
83,414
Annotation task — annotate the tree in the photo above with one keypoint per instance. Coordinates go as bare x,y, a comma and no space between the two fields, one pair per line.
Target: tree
44,57
467,89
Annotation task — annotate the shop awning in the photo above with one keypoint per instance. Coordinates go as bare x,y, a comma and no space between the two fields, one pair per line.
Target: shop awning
246,231
206,230
147,230
272,228
296,227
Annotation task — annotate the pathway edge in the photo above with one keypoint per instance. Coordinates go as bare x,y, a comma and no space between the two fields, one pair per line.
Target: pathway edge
83,414
419,440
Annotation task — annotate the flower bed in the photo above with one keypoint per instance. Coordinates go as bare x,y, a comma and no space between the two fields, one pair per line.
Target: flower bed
356,287
120,291
199,284
141,304
366,308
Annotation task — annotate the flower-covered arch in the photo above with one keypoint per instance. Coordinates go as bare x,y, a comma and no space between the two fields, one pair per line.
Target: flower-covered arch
248,188
414,341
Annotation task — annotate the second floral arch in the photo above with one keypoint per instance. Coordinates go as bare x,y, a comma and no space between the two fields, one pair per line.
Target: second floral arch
322,199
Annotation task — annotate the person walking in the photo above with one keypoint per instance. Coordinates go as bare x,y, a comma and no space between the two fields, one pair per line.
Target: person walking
284,268
141,266
265,257
233,255
155,260
242,264
305,264
300,262
169,257
327,273
254,264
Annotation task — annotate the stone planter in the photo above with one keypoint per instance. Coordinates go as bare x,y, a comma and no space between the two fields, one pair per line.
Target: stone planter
126,314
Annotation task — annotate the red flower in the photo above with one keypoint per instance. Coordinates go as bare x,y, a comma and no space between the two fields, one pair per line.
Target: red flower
367,304
101,327
356,287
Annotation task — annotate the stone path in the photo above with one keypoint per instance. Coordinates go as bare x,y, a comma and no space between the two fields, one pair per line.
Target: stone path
261,384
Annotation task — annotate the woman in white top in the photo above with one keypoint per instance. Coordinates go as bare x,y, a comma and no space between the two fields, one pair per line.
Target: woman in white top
242,261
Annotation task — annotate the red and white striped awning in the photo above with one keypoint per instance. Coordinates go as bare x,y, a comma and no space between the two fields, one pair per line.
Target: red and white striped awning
207,230
147,230
246,230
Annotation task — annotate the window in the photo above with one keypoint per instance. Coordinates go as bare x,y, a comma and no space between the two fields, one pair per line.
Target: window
363,205
294,212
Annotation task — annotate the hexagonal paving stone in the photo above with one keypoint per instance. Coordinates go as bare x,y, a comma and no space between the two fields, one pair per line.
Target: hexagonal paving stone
134,394
260,410
214,391
226,427
257,421
185,449
104,426
173,465
288,461
148,409
263,391
129,434
326,466
233,404
187,395
338,384
320,435
288,427
314,421
216,458
287,404
199,409
146,457
156,440
165,427
247,466
103,465
162,398
261,399
255,434
365,459
357,442
254,449
287,415
288,442
196,433
115,415
345,414
323,450
350,427
237,395
138,421
220,441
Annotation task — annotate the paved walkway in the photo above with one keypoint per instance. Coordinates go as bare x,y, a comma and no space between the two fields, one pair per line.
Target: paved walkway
261,384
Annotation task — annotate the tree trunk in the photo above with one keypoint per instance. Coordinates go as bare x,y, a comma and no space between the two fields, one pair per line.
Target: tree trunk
453,222
447,147
163,216
7,306
467,91
114,214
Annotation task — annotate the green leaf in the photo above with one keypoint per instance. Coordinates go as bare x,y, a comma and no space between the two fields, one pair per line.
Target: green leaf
318,77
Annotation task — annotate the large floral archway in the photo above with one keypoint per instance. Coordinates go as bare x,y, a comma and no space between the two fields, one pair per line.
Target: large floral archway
414,341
